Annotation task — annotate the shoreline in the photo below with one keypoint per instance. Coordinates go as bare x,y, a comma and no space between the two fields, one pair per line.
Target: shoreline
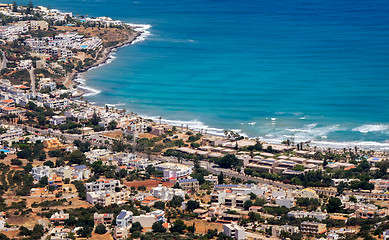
106,56
83,89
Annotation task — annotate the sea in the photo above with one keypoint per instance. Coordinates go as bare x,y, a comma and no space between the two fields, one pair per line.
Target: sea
314,71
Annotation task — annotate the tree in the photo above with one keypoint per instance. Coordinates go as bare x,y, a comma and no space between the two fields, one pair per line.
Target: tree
136,226
24,231
100,229
176,201
112,125
159,205
37,232
178,226
3,237
334,204
352,198
192,205
158,227
229,161
247,204
253,196
118,146
30,7
260,202
340,188
44,181
49,163
14,7
77,157
95,119
220,178
192,228
299,167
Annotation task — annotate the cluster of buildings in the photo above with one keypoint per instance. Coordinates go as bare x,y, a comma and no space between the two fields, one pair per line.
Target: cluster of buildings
268,162
174,171
62,44
17,93
125,219
13,31
20,95
12,134
106,192
234,196
364,210
73,173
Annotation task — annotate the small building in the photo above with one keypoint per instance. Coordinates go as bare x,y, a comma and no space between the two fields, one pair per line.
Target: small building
59,217
386,235
57,120
234,231
332,236
189,184
120,233
104,218
124,219
167,194
52,143
308,227
285,202
56,182
86,130
211,178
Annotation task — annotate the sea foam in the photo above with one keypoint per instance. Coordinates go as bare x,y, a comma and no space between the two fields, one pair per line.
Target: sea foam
371,128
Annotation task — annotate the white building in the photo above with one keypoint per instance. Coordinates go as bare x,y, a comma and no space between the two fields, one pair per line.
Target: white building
302,214
386,235
59,217
234,231
57,120
285,202
167,194
174,170
332,236
40,171
2,223
106,198
102,185
218,197
211,178
120,233
124,219
74,173
56,103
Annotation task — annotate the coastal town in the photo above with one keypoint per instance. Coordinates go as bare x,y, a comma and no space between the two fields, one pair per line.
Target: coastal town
74,170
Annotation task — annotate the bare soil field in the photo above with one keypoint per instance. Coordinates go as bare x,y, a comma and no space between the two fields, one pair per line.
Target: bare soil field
106,236
203,226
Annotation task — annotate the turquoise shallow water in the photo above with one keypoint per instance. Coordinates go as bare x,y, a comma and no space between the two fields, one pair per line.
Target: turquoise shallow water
313,70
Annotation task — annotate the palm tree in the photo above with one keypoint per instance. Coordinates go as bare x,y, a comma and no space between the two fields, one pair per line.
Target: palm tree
160,118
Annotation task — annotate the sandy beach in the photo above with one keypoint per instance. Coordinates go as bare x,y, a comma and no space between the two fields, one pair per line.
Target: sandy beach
70,79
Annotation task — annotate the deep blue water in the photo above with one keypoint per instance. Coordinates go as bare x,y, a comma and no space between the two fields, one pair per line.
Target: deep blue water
316,69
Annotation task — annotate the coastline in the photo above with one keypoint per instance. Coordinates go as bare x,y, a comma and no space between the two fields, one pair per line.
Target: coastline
74,81
82,89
